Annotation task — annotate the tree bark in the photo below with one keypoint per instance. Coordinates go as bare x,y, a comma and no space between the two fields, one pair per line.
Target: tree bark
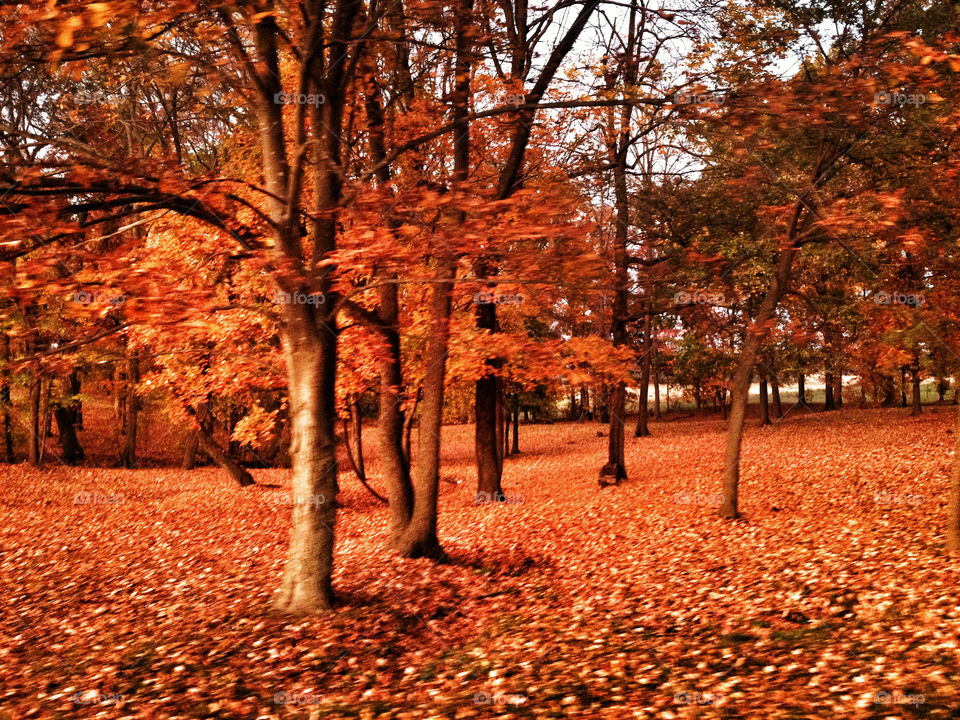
953,506
802,390
828,385
6,405
764,404
656,396
775,393
515,450
741,381
128,452
916,399
223,458
642,429
34,439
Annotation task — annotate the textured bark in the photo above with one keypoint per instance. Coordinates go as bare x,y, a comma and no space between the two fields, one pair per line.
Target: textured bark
6,406
223,458
419,538
838,389
34,439
802,390
741,380
828,386
953,506
775,394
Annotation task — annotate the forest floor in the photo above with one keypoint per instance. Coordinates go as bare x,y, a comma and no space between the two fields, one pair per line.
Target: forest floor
147,595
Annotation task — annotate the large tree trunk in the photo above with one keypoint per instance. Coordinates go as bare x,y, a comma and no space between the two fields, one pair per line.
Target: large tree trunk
311,359
953,506
489,465
70,451
838,389
755,334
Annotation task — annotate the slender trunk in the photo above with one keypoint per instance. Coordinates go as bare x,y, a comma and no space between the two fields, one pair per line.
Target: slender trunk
501,424
656,395
953,507
516,429
903,388
764,404
775,394
741,379
802,390
34,440
190,452
419,538
6,406
45,417
838,389
642,430
128,454
224,459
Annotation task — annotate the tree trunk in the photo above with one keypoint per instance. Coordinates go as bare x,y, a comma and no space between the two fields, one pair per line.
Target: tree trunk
903,388
764,404
953,507
6,405
419,538
190,452
916,406
408,427
775,394
656,395
828,385
35,439
741,380
838,389
642,430
311,359
128,453
802,390
515,450
70,450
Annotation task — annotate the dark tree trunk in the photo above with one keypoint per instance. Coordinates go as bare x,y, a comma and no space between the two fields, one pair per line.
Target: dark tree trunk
76,406
764,403
722,399
838,389
775,395
642,429
6,406
903,388
828,385
585,413
128,453
516,429
70,450
802,390
189,460
35,439
916,406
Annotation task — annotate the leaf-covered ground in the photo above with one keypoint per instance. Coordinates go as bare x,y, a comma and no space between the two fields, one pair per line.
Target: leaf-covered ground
148,594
